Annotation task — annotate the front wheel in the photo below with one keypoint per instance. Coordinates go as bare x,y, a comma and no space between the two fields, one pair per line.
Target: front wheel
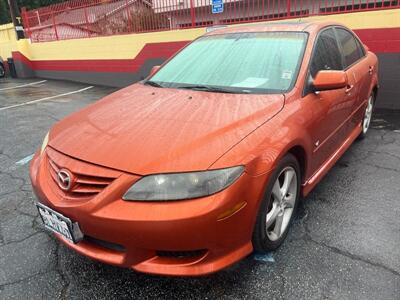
278,205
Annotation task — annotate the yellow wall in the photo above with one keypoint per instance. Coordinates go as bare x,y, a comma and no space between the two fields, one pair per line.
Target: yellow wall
128,46
8,40
365,20
110,47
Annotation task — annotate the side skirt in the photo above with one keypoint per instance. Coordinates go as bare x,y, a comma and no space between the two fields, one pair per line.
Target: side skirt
330,162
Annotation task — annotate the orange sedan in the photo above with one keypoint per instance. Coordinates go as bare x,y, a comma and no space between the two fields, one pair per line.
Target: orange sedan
192,169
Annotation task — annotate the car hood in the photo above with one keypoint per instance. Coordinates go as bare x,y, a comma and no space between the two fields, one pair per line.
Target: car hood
143,130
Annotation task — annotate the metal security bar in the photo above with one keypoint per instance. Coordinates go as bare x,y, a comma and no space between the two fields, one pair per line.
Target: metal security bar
92,18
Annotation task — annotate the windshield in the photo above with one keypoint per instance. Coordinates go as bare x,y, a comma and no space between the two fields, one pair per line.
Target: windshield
257,62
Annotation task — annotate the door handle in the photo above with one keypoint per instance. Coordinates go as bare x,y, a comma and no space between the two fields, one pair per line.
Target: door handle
370,70
349,88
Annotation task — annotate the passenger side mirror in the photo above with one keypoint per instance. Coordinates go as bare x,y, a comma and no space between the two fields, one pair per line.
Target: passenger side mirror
154,70
329,80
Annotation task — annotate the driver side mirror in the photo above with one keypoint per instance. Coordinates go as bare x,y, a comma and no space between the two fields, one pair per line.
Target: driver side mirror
154,70
329,80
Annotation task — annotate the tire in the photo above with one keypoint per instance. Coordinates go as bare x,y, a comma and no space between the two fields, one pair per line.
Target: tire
264,234
2,71
366,121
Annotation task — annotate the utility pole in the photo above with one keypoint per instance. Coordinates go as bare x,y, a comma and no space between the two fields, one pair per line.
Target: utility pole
16,18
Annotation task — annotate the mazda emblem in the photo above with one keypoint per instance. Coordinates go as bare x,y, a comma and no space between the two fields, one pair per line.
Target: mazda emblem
64,180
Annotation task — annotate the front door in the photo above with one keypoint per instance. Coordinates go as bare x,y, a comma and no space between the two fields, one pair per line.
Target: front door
330,109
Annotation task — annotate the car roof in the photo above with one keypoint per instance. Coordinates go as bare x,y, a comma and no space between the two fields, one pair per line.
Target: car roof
299,26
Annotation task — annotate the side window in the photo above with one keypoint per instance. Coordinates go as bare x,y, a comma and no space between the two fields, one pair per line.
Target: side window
361,48
326,55
351,50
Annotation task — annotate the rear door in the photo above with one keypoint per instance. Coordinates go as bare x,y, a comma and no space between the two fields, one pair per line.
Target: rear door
356,68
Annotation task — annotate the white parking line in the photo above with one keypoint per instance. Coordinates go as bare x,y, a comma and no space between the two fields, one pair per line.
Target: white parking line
22,85
25,160
46,98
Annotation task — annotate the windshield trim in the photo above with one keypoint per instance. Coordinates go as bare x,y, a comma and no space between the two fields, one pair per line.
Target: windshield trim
253,90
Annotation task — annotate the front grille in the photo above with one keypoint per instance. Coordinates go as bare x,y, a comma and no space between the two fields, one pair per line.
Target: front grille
85,186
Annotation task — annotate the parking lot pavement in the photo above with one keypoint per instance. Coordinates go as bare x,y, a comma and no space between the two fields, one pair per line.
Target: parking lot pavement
344,243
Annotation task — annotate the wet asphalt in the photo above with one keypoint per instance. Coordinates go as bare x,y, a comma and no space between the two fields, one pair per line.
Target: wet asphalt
344,243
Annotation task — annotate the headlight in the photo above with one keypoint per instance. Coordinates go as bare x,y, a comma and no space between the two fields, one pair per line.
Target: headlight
45,142
176,186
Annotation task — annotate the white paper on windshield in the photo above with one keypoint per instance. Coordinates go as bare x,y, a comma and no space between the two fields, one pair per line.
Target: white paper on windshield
251,82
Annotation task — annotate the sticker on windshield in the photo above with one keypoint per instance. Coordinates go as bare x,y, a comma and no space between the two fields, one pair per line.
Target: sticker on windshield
286,74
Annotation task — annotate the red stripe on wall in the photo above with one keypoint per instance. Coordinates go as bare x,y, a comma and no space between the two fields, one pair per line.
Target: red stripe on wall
382,40
149,51
18,56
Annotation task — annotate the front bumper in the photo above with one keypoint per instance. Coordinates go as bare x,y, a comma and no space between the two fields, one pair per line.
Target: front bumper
190,237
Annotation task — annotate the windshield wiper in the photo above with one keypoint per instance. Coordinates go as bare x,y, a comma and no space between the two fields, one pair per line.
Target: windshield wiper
153,83
214,89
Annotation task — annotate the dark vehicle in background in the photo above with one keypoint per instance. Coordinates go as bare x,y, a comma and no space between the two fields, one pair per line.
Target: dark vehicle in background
2,68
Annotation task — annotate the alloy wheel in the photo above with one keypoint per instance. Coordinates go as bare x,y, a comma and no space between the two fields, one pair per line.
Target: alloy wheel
368,114
283,198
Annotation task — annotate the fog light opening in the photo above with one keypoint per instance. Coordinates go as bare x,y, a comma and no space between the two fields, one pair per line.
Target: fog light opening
181,254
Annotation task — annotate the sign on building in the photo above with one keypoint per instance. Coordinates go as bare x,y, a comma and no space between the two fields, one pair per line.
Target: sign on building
217,6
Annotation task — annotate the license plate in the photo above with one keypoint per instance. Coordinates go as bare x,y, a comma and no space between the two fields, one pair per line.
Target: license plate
60,224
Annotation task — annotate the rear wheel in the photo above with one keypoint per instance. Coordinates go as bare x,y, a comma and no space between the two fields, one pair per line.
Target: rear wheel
2,71
367,117
278,206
